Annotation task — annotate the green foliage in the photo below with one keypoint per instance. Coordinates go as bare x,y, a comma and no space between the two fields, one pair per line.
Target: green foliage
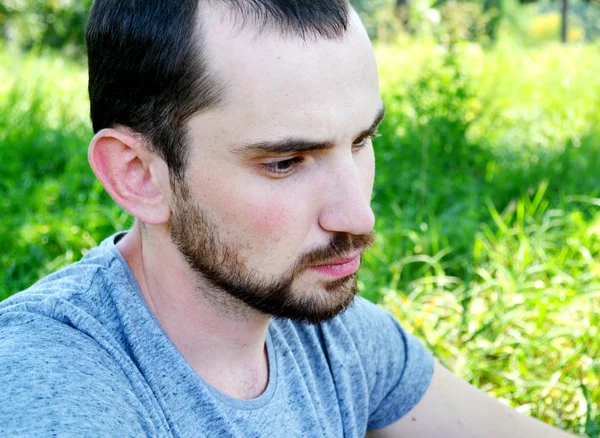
486,197
524,326
51,196
45,24
40,25
369,11
488,215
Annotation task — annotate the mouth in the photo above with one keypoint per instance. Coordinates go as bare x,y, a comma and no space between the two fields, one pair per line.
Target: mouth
339,268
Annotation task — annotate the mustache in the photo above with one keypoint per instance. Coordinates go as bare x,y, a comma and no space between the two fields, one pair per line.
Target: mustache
341,245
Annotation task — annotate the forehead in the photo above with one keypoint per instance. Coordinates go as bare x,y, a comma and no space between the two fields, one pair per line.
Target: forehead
274,83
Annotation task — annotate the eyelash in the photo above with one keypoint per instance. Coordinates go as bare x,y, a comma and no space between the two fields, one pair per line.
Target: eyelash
363,141
272,167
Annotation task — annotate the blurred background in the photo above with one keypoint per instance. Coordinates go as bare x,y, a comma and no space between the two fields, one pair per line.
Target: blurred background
487,192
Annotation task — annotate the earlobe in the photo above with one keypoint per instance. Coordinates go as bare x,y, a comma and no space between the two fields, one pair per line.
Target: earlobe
133,176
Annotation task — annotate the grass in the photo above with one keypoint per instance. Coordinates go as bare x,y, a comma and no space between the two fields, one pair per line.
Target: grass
489,219
486,196
55,208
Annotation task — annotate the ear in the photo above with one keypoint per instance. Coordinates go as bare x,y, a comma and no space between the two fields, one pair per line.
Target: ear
133,176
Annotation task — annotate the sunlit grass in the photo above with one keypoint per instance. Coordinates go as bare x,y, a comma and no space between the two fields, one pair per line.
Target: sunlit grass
53,208
488,217
524,326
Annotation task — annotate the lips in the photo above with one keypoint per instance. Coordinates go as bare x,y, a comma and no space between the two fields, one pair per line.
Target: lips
339,268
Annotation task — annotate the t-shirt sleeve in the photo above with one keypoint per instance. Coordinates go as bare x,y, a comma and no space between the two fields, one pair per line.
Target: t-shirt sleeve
56,381
397,367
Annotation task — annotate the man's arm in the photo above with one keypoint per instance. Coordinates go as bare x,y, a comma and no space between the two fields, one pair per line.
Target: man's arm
454,409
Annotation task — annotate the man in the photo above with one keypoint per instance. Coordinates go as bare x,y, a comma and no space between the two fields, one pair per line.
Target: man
238,134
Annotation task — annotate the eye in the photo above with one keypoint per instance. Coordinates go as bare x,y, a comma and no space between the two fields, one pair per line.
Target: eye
282,167
361,143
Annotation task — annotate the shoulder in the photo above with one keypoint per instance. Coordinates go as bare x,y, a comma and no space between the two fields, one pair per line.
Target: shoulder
64,368
66,284
368,326
81,295
396,366
363,329
378,368
363,314
59,380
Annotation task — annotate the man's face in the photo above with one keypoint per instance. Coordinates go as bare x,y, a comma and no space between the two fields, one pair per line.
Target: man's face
276,208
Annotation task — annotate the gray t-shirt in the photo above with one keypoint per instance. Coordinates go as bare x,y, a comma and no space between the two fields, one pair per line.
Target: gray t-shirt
82,355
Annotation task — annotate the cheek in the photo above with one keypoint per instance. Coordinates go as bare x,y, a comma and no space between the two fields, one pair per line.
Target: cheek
273,229
368,171
267,217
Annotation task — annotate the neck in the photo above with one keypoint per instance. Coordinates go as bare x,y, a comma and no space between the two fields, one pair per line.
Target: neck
220,338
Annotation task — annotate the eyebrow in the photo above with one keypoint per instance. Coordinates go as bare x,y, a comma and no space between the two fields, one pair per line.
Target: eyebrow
297,145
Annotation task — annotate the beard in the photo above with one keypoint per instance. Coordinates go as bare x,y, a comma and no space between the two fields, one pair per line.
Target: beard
227,281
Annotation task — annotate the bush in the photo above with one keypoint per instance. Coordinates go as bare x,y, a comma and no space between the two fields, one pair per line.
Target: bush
45,24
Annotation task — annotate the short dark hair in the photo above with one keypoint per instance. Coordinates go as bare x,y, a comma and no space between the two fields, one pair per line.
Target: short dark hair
148,72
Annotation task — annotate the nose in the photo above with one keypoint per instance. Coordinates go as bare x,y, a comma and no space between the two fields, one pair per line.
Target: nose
347,200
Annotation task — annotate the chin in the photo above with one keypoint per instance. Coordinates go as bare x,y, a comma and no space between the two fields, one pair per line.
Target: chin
322,304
